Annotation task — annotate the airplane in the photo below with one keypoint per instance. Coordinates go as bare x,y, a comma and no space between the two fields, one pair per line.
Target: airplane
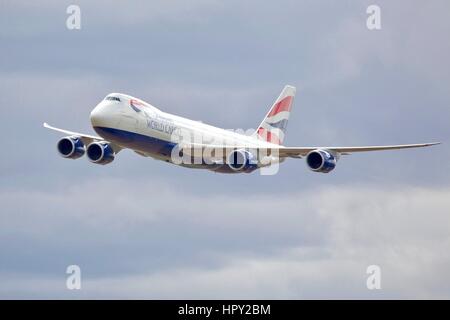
125,122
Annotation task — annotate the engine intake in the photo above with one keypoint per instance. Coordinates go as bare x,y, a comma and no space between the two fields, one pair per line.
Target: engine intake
71,147
242,160
321,161
100,153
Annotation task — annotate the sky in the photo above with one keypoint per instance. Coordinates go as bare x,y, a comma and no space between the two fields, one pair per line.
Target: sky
139,228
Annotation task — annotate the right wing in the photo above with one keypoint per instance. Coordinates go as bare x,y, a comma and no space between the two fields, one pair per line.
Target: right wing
87,139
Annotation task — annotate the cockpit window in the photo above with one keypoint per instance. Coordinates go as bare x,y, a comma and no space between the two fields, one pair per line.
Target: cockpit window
112,98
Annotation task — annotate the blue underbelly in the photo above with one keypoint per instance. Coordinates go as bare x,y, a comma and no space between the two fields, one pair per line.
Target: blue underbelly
150,145
136,141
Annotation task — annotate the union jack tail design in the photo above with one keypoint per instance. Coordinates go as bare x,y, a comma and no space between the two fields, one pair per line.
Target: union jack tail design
273,127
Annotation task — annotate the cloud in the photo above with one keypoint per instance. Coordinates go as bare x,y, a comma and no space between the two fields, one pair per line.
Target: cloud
403,43
314,244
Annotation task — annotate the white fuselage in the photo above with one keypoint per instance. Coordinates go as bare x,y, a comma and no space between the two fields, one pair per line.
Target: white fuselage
134,124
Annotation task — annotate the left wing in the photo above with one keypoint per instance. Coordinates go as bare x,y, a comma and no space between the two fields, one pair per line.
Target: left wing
292,152
300,152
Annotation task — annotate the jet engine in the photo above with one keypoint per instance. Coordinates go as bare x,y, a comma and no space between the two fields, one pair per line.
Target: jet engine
100,152
321,161
242,161
71,147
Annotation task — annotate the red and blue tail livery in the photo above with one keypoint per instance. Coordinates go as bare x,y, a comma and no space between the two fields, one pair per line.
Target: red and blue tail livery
273,127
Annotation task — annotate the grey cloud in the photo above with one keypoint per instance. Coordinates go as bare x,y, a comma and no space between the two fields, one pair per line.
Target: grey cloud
317,246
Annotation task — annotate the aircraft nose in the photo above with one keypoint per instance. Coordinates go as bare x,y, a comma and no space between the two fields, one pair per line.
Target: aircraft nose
99,115
95,117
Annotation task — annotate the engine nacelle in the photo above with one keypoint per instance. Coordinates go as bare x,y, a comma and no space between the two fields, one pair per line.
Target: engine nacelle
242,161
321,161
100,153
71,147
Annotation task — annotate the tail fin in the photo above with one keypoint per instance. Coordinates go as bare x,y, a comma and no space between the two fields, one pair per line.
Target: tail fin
273,127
